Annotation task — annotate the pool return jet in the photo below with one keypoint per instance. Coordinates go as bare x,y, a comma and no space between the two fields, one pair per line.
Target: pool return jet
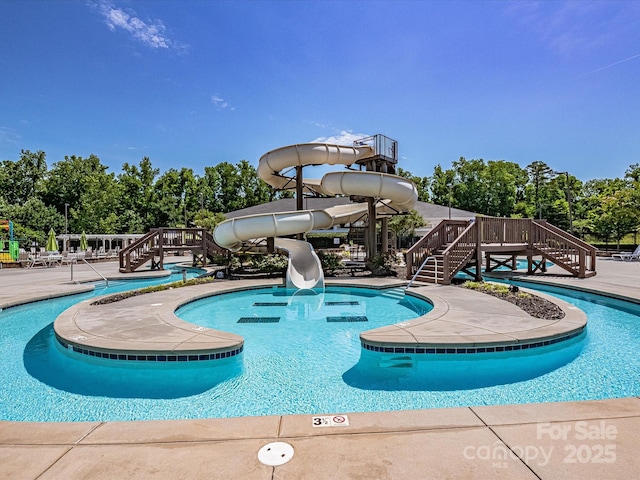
384,192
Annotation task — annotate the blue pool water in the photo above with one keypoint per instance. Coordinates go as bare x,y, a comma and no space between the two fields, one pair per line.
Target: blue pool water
323,371
521,264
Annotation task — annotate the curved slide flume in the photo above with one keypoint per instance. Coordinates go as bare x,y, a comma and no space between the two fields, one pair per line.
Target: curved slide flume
395,194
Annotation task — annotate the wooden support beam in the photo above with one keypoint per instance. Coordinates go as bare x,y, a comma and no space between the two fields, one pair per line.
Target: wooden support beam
299,195
478,227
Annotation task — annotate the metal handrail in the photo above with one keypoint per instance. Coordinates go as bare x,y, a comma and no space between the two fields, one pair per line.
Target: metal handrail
421,267
102,276
75,260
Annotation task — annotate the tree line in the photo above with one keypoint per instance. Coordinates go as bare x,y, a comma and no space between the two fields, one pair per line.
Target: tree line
603,210
139,197
80,194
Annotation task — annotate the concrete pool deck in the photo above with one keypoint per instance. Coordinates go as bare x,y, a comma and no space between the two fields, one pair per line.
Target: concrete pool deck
592,439
145,327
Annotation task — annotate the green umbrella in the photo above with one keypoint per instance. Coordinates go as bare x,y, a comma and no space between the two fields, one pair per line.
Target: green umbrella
52,242
84,245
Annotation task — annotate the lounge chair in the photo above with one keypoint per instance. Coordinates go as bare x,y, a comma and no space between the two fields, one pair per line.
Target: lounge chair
626,256
70,257
33,260
52,259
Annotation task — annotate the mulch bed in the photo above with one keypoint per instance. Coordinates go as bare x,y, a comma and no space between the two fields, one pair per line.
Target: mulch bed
535,306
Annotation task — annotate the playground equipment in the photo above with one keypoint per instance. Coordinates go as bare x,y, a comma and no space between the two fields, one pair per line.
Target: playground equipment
12,250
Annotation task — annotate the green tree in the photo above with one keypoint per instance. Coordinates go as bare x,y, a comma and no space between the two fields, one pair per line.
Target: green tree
33,219
68,182
96,210
470,189
537,191
422,184
252,188
565,192
632,176
442,183
176,198
505,185
209,187
228,194
134,205
207,219
237,186
611,211
404,226
22,179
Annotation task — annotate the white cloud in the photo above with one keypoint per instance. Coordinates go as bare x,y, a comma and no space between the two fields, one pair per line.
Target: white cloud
152,33
220,103
8,136
570,27
345,137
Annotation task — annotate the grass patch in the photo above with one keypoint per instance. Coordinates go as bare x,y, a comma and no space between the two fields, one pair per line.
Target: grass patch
154,288
495,288
532,304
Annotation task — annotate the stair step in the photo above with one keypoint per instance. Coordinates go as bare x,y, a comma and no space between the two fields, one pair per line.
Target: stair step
428,280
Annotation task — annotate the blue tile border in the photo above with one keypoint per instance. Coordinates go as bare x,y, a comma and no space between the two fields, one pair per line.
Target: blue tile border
189,357
469,350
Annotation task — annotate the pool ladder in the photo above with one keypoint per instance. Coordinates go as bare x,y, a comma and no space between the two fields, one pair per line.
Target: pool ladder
435,260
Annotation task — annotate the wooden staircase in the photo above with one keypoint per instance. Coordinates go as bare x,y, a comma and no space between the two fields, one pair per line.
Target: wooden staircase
155,243
453,246
563,249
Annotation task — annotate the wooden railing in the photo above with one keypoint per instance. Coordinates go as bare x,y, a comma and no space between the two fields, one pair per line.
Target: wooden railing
561,248
159,240
138,252
589,250
504,230
456,255
442,234
456,243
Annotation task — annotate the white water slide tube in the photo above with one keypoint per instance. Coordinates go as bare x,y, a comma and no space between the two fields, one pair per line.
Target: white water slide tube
304,270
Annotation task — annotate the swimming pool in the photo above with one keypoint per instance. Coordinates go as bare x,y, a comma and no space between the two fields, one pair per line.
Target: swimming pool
42,384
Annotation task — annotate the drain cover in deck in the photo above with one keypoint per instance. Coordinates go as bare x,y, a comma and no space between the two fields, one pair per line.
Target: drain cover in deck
276,453
355,318
259,320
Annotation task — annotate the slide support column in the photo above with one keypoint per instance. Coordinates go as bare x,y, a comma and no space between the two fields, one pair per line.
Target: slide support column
371,229
299,197
384,232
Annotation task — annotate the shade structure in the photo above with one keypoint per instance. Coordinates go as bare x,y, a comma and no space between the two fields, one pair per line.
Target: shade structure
52,242
84,245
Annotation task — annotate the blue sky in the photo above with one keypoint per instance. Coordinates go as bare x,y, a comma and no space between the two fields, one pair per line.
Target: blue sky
194,83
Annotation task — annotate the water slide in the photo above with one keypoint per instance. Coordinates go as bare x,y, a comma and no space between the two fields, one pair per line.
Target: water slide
304,271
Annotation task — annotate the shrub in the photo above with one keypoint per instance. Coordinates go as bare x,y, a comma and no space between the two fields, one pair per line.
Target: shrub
271,263
221,259
382,264
330,262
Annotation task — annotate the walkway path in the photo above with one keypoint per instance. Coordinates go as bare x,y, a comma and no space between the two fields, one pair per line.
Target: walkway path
615,278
